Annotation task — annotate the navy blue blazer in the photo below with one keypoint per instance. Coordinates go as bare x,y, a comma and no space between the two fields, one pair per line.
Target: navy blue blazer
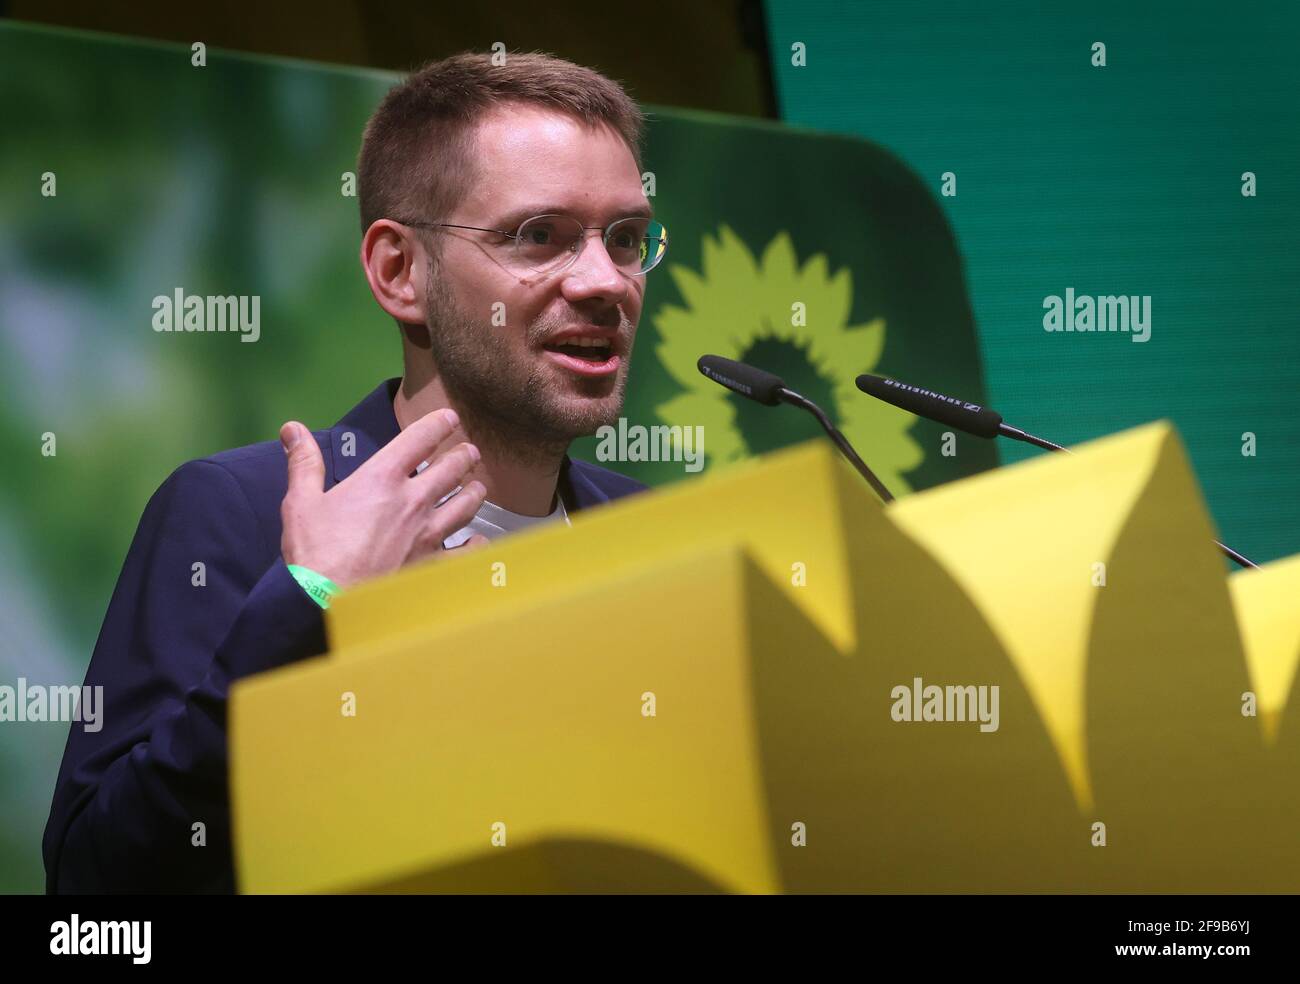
128,797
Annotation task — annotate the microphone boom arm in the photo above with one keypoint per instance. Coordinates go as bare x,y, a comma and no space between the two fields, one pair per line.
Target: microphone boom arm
1016,434
790,396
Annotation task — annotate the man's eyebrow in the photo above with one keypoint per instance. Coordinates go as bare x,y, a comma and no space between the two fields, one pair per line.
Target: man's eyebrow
512,219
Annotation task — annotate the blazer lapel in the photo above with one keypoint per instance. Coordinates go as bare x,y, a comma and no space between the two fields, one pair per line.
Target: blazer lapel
576,489
365,429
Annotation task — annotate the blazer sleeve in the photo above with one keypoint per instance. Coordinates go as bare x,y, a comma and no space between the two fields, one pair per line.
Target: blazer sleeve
142,805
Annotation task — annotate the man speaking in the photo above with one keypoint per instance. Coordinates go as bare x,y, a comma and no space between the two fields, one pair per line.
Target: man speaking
505,230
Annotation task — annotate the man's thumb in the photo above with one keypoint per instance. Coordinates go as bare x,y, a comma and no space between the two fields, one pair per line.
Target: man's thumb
306,466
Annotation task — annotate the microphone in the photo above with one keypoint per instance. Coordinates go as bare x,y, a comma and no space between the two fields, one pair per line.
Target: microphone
973,419
969,417
756,384
765,388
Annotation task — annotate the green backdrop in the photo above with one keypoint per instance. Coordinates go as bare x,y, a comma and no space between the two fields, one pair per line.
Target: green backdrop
1122,179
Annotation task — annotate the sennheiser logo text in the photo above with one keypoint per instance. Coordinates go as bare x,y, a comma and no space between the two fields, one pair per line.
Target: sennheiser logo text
907,387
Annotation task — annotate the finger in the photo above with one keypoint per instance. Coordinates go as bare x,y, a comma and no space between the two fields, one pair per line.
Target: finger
469,546
404,453
446,472
443,447
446,444
456,512
306,466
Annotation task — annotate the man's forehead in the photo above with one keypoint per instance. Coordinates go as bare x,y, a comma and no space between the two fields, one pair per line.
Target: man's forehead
510,127
530,156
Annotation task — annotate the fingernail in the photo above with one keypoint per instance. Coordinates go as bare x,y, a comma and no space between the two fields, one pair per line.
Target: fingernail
453,418
474,455
288,443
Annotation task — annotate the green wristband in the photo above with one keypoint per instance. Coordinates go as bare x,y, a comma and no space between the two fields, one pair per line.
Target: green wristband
318,587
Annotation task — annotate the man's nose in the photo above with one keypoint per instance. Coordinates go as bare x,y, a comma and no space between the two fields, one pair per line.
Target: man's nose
594,273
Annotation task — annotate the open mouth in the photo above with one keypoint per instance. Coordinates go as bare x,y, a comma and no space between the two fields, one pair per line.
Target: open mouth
590,349
585,354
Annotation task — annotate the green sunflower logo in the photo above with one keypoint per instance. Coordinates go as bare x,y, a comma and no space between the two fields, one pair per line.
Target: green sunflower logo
792,321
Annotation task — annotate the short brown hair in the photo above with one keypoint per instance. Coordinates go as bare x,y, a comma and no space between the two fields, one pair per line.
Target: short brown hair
416,155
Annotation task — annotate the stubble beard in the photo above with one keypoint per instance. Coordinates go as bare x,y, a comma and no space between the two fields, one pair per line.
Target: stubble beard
509,406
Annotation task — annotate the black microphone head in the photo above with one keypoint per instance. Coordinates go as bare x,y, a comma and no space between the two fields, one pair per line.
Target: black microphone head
969,417
740,378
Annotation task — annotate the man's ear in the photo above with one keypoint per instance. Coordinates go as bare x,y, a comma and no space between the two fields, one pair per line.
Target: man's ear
394,261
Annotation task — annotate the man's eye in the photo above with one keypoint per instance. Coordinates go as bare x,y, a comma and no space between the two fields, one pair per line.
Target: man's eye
539,237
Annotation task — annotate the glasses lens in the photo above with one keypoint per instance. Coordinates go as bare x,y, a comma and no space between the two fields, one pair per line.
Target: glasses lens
548,241
636,245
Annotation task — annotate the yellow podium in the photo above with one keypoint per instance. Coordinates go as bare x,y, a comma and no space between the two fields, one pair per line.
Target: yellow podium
1038,679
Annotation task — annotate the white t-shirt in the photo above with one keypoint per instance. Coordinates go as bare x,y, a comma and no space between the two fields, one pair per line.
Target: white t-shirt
494,522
